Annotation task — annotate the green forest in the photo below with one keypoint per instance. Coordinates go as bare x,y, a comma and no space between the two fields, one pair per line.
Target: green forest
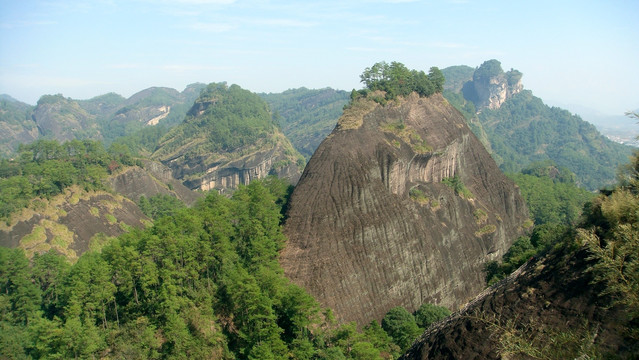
45,168
205,281
202,283
395,79
524,130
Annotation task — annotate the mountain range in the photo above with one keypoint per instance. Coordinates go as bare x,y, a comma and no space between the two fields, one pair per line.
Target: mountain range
371,204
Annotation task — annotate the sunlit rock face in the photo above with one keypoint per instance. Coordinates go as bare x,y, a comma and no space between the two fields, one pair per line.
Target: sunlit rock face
375,221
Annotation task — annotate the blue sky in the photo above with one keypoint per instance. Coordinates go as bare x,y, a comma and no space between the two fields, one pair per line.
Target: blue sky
571,52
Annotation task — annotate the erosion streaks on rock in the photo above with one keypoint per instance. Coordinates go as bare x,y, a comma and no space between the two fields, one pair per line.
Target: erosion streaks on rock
384,212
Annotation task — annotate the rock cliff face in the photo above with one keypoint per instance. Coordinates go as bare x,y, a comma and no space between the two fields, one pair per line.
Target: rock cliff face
151,180
400,205
228,138
63,119
491,86
16,125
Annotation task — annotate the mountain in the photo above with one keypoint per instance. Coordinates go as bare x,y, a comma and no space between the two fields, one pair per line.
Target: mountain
399,205
63,119
578,301
228,138
307,116
105,117
519,129
152,106
16,125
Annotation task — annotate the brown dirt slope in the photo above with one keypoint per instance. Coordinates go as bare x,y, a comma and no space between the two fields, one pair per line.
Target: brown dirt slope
372,224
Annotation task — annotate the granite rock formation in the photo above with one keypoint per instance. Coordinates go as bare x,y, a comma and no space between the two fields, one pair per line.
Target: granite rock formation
399,205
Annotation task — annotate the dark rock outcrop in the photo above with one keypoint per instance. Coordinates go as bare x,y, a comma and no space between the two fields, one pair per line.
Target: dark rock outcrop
372,223
548,297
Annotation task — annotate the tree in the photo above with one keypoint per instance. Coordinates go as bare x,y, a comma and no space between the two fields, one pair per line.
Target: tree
429,313
401,326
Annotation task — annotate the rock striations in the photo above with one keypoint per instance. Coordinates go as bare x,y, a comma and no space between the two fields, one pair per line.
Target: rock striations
399,205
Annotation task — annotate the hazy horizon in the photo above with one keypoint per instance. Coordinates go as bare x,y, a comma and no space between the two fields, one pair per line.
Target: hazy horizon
580,53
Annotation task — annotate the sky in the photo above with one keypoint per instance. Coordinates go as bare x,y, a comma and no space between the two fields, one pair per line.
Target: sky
583,53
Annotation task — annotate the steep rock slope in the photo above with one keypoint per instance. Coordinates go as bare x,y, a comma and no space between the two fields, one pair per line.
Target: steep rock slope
373,224
71,223
519,129
491,86
64,119
547,298
228,138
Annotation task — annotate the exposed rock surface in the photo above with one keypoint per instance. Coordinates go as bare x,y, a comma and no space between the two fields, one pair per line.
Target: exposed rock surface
228,138
151,180
71,223
491,86
546,296
63,119
371,225
16,125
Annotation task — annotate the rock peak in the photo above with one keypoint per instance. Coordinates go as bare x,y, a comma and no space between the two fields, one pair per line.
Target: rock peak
491,86
400,205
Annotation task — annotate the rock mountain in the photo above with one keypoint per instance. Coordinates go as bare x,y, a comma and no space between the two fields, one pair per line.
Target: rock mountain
228,138
103,117
399,205
519,129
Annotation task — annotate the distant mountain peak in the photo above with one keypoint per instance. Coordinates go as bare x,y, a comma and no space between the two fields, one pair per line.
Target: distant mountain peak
490,86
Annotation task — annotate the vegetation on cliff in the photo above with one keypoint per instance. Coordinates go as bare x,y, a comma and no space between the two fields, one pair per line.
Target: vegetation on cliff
307,116
577,298
223,118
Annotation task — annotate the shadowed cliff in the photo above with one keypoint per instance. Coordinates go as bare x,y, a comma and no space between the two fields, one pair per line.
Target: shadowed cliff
400,205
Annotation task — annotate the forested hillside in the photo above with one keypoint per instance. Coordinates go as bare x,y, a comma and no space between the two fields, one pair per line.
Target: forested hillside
16,125
307,116
229,137
106,117
204,283
524,130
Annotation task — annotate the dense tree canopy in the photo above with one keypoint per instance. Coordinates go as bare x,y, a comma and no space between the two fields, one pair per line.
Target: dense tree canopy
202,283
395,79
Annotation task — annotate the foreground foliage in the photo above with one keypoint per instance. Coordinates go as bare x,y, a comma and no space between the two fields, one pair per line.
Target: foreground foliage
203,283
